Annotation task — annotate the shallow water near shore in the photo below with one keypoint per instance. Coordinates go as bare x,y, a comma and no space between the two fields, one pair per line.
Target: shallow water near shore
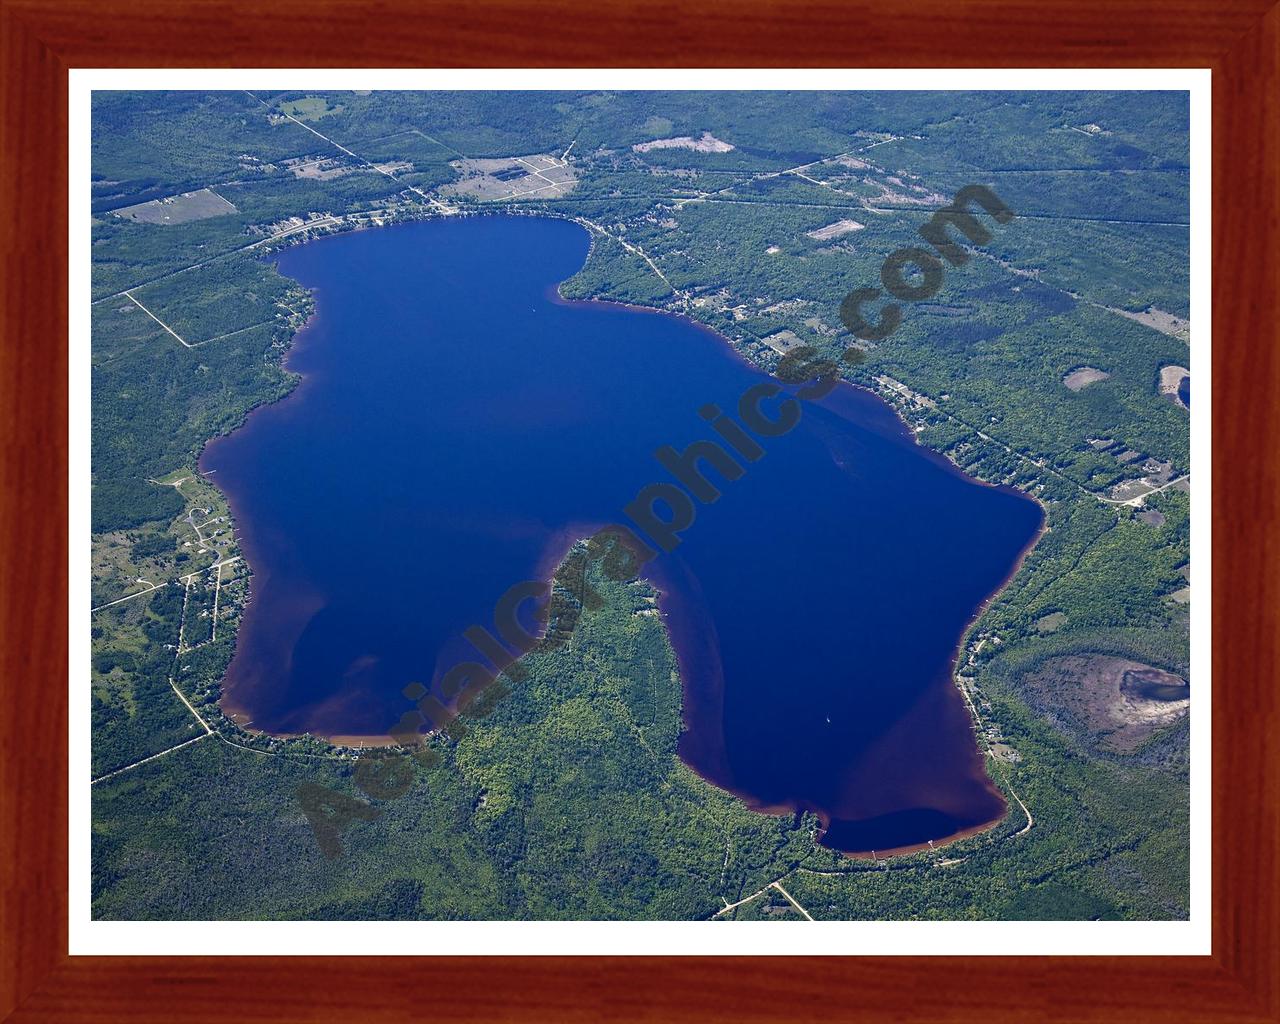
457,425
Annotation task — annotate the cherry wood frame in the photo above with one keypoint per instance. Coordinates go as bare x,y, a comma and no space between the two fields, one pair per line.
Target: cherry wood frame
41,39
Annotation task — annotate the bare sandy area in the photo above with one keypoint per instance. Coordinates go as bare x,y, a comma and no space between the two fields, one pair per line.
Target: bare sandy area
840,227
1170,380
1117,704
1081,378
707,144
912,196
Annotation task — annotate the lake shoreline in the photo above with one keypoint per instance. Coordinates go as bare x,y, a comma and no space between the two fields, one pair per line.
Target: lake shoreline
978,613
307,332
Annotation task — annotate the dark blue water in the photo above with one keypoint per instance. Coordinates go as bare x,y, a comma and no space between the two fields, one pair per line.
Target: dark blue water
457,425
1184,390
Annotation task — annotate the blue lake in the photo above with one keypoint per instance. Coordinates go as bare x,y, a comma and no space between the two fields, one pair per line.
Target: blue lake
458,425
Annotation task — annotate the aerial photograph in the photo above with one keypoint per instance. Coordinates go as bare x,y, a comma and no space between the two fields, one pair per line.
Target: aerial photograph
640,505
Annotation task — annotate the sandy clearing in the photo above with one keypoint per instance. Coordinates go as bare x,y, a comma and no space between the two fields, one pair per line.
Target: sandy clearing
1081,378
1117,703
1171,378
840,227
707,144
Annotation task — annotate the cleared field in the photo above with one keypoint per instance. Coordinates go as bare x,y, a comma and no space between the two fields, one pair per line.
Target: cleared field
707,144
310,108
1171,378
1158,319
1079,379
1050,623
189,206
840,227
783,341
540,175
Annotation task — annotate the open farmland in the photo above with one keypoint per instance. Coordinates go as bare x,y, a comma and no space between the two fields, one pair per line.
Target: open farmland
198,205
